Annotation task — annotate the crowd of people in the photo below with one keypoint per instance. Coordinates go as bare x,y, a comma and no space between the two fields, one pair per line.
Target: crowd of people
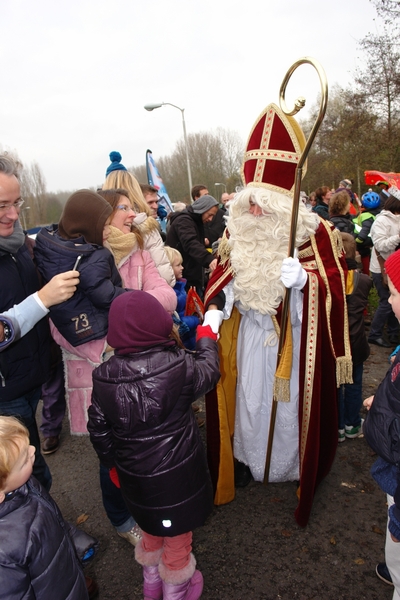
96,321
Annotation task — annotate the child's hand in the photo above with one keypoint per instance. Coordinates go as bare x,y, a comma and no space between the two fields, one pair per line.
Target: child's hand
394,539
213,264
368,402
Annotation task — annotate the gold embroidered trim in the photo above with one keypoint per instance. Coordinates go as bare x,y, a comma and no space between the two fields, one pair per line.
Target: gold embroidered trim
281,388
273,155
276,325
343,363
305,253
310,264
212,288
310,349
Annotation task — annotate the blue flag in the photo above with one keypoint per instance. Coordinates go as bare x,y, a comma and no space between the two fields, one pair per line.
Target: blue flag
156,181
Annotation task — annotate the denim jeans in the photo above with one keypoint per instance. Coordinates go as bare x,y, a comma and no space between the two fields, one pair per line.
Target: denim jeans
114,503
350,399
383,313
24,408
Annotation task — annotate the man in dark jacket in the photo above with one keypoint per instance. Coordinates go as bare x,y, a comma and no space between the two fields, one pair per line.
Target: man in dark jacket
25,364
186,234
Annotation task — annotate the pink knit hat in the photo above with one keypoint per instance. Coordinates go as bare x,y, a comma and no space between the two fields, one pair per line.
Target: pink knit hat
392,266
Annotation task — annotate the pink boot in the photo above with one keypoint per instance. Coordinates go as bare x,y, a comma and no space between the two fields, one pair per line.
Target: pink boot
185,584
152,583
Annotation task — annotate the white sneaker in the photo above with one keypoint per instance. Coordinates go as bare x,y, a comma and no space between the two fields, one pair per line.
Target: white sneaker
133,536
354,432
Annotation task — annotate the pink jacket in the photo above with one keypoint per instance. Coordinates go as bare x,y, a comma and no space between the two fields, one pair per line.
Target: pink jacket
139,272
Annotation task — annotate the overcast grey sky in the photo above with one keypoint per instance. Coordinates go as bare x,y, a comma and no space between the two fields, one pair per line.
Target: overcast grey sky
76,73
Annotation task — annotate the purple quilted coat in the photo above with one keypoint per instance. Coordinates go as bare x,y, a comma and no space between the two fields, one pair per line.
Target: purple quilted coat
141,421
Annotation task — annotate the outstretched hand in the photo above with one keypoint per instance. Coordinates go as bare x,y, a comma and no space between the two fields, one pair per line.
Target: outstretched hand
59,289
213,264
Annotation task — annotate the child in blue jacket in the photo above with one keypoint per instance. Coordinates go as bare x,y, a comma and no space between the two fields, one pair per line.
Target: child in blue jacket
188,324
38,551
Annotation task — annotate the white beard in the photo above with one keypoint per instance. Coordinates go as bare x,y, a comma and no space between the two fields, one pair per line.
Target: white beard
260,243
256,258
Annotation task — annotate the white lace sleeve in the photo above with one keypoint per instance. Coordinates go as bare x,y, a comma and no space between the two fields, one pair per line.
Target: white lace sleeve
229,300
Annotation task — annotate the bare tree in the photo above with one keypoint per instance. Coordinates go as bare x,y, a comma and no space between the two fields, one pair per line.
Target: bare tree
379,83
214,158
389,10
346,143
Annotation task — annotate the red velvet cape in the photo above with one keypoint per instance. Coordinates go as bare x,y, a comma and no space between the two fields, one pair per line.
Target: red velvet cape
324,348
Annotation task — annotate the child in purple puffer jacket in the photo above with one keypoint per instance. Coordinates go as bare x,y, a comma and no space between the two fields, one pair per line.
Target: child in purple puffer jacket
144,431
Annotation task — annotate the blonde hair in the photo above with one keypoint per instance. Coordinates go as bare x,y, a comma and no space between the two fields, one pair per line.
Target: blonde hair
12,433
172,254
125,180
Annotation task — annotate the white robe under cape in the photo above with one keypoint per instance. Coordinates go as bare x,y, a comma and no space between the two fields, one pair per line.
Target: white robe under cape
256,358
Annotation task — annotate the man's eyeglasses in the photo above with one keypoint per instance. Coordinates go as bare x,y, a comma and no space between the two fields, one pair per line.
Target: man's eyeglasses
4,207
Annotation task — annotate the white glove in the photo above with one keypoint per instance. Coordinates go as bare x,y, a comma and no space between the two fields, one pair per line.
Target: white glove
292,274
213,318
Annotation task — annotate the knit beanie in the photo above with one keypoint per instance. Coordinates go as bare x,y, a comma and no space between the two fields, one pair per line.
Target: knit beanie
116,165
136,321
203,204
392,267
85,214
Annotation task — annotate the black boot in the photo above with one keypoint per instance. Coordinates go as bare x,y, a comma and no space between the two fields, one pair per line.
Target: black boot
243,474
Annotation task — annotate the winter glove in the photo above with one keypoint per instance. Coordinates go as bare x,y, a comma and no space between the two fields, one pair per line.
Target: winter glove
86,546
211,324
213,318
114,477
292,274
161,212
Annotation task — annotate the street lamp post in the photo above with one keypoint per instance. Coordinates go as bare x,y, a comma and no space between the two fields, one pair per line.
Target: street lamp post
151,107
218,184
23,216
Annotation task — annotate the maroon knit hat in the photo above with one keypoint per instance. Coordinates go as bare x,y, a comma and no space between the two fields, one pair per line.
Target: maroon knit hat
137,321
392,266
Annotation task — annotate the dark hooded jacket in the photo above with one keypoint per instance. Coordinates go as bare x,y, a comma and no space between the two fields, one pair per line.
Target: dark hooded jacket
83,317
322,210
142,423
25,364
37,554
343,223
186,234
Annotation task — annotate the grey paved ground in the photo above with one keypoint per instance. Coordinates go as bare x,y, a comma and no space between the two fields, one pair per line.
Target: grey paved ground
252,548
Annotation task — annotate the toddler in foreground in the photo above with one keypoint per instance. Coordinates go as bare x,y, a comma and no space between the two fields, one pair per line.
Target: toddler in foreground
143,429
37,553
